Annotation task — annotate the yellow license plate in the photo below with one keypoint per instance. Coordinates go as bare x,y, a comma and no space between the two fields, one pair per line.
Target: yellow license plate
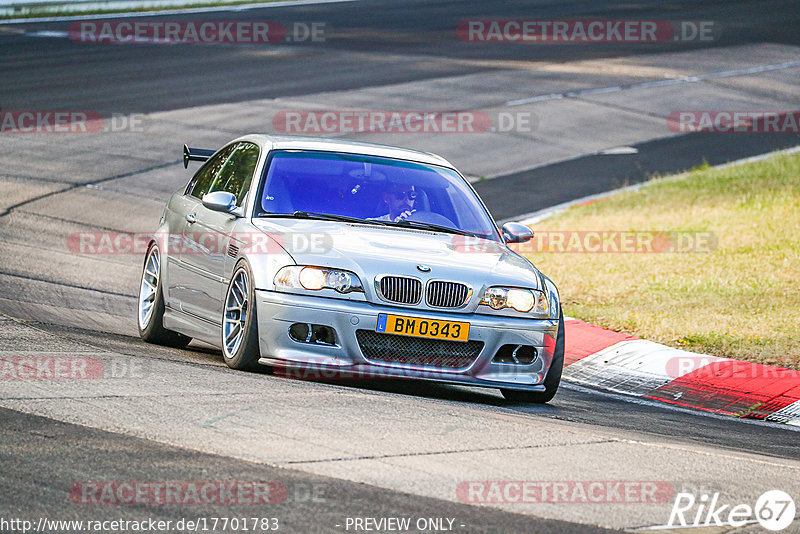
430,328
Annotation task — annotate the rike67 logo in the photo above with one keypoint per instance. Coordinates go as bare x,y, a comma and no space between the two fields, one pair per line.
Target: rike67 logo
774,510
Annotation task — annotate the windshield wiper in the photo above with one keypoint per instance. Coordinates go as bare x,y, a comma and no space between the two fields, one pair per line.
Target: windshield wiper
431,226
323,217
346,218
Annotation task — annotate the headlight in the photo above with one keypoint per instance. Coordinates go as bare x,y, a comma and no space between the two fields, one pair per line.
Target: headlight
522,300
316,278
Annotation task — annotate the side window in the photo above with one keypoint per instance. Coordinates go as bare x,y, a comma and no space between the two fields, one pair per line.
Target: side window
237,172
202,181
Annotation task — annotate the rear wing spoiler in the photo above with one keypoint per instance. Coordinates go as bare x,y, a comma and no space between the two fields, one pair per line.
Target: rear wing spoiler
195,154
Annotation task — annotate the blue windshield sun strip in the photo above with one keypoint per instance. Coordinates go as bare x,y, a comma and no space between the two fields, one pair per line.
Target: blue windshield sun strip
354,158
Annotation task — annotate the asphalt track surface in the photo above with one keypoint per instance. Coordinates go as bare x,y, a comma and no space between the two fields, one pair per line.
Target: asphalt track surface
372,44
317,504
597,173
385,42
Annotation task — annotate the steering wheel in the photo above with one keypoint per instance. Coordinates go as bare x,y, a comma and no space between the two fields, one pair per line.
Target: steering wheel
432,218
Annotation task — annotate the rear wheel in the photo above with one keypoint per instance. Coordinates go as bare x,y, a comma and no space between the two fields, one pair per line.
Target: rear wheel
551,381
151,305
240,322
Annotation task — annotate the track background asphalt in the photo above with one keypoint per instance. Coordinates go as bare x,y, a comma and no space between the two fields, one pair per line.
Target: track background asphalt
71,454
597,173
369,43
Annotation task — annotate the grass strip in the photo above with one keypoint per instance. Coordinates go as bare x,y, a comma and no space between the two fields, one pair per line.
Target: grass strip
740,300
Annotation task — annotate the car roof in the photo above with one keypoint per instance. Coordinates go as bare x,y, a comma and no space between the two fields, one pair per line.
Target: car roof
289,142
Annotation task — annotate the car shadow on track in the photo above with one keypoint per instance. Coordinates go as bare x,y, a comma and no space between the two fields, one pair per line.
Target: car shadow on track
415,388
433,390
202,353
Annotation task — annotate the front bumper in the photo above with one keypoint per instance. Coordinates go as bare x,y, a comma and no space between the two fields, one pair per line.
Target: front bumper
345,359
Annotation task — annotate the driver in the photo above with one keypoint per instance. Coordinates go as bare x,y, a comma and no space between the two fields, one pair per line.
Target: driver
401,199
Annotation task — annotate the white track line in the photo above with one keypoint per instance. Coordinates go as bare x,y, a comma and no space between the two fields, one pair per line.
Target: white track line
657,83
540,215
789,415
636,367
568,385
239,7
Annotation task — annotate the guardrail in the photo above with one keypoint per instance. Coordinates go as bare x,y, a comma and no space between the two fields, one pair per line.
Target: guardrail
26,8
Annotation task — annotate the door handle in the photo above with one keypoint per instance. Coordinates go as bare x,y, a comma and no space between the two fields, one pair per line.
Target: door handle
191,218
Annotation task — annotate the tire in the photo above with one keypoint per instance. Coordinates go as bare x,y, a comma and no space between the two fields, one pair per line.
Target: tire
240,321
551,381
150,309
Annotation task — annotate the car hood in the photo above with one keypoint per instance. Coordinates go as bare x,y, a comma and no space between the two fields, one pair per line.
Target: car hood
371,251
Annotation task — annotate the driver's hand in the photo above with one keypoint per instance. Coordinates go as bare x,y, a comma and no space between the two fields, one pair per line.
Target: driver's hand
403,216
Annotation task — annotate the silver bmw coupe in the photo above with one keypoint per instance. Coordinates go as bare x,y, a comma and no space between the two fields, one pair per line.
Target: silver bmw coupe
354,260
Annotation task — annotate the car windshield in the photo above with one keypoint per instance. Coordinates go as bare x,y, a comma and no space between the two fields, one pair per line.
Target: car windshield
384,190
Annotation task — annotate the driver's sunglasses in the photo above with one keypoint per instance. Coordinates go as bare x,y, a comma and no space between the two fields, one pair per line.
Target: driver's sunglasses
410,195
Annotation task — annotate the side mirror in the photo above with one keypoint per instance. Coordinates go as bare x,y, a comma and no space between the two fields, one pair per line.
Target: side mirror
515,232
220,201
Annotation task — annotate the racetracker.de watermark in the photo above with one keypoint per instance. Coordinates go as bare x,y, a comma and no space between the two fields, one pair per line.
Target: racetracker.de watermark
178,492
204,243
716,369
402,121
196,32
321,372
553,242
71,367
69,122
50,367
564,492
599,242
533,31
730,121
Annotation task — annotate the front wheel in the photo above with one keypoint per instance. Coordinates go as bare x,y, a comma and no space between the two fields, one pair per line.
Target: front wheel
551,381
239,321
151,305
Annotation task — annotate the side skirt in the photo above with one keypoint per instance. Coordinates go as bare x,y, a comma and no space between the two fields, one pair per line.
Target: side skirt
193,326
